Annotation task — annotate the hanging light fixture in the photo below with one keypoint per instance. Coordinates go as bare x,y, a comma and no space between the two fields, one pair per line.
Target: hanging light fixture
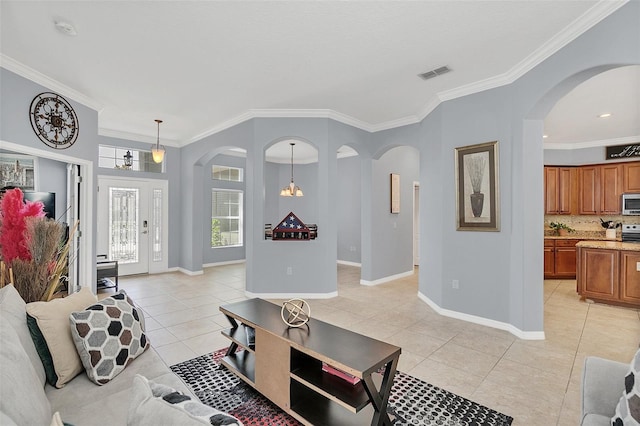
157,152
128,160
291,190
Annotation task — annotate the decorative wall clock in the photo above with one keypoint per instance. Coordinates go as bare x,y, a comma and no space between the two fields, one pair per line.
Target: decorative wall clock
54,120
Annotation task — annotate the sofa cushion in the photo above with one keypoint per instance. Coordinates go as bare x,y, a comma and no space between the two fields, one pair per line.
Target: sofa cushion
49,326
108,336
23,397
158,404
80,399
628,408
13,310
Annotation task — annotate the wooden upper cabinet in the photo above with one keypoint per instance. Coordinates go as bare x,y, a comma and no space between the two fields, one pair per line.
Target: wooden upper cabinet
589,190
631,177
611,188
559,190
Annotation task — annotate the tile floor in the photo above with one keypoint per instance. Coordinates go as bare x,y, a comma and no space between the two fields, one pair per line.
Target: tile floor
536,382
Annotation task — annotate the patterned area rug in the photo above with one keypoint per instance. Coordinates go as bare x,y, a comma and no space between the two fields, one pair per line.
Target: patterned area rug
412,401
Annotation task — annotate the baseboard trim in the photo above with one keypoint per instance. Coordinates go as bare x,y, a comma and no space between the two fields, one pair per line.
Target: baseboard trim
228,262
525,335
346,262
191,273
292,295
387,279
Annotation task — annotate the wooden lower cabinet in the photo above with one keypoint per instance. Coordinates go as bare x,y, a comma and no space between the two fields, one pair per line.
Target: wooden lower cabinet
599,273
630,277
609,275
560,258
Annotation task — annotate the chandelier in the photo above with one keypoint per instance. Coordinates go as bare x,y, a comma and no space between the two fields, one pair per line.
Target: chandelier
291,190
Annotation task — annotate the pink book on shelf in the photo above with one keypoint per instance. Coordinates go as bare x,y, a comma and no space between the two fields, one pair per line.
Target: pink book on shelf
339,373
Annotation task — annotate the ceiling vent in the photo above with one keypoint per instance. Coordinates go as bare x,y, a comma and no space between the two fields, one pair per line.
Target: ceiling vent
434,73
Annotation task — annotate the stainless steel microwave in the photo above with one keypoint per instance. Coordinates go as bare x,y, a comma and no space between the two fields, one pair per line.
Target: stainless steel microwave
631,204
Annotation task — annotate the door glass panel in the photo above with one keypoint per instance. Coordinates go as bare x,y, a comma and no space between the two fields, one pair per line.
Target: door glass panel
156,226
123,224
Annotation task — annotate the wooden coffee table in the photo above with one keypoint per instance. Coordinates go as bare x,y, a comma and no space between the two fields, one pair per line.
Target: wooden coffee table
285,365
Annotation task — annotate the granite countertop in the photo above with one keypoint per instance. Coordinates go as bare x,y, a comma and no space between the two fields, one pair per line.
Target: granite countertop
614,245
580,235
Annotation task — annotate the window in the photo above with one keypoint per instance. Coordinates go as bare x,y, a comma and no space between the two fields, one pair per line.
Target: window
232,174
226,218
112,157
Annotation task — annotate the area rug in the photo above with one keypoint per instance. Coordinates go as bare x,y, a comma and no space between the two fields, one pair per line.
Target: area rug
412,401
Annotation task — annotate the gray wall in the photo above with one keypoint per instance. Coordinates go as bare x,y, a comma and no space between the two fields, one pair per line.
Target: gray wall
16,94
578,157
348,209
52,177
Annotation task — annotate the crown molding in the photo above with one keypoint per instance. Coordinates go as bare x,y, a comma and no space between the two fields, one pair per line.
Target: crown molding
591,17
592,144
22,70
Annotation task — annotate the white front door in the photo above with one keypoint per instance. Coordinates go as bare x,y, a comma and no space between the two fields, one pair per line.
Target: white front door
132,217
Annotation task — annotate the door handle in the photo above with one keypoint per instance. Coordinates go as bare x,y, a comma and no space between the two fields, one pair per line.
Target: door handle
145,225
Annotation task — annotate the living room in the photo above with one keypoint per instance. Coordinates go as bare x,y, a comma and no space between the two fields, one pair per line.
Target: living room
498,273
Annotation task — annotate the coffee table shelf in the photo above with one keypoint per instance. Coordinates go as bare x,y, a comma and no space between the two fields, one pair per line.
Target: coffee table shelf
243,364
286,366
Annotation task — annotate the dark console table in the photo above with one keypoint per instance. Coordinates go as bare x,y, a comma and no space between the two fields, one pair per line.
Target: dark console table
285,365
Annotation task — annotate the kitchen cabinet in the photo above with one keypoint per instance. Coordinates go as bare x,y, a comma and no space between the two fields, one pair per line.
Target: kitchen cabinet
630,277
599,273
609,275
560,194
560,258
600,189
589,190
631,177
611,188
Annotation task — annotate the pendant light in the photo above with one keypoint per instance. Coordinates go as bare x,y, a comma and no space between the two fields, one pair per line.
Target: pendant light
157,152
291,190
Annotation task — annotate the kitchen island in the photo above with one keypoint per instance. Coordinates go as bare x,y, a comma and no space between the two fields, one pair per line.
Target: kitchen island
609,272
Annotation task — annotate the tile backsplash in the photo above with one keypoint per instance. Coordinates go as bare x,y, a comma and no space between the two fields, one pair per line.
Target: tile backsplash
589,223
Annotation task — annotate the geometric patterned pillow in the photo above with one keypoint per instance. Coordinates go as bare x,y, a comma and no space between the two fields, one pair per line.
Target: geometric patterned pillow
158,404
108,336
628,408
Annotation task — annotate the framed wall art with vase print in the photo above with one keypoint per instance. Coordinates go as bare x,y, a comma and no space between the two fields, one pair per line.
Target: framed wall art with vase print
477,200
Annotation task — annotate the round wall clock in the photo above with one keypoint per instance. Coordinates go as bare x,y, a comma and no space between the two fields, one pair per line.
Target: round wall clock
54,120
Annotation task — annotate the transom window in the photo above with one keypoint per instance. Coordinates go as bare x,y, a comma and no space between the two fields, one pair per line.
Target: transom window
226,218
113,157
232,174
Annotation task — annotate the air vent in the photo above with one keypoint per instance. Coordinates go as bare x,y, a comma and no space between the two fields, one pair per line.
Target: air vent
434,73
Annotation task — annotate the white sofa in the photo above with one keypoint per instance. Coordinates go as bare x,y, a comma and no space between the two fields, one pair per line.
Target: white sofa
25,399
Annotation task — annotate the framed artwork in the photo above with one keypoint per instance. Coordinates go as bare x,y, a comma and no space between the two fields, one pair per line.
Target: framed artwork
477,201
18,171
395,193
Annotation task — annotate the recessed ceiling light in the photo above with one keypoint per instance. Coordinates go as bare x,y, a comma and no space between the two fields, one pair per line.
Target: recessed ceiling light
605,115
66,28
545,136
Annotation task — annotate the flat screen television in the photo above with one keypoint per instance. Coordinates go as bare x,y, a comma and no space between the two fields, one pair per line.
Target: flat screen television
47,198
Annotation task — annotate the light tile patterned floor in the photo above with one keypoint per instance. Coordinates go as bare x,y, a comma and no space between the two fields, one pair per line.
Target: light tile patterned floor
536,382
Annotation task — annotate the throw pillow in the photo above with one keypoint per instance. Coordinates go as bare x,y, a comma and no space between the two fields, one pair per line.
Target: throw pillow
14,311
628,408
157,404
49,326
22,396
108,335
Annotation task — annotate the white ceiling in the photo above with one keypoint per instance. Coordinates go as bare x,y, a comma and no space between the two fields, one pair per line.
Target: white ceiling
202,66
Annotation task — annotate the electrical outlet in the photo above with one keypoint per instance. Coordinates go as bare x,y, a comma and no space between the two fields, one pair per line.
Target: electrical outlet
455,284
289,270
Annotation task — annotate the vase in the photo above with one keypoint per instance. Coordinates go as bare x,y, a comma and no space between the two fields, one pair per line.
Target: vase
563,232
477,201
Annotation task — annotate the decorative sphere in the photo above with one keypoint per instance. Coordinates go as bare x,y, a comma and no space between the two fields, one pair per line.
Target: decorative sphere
295,312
